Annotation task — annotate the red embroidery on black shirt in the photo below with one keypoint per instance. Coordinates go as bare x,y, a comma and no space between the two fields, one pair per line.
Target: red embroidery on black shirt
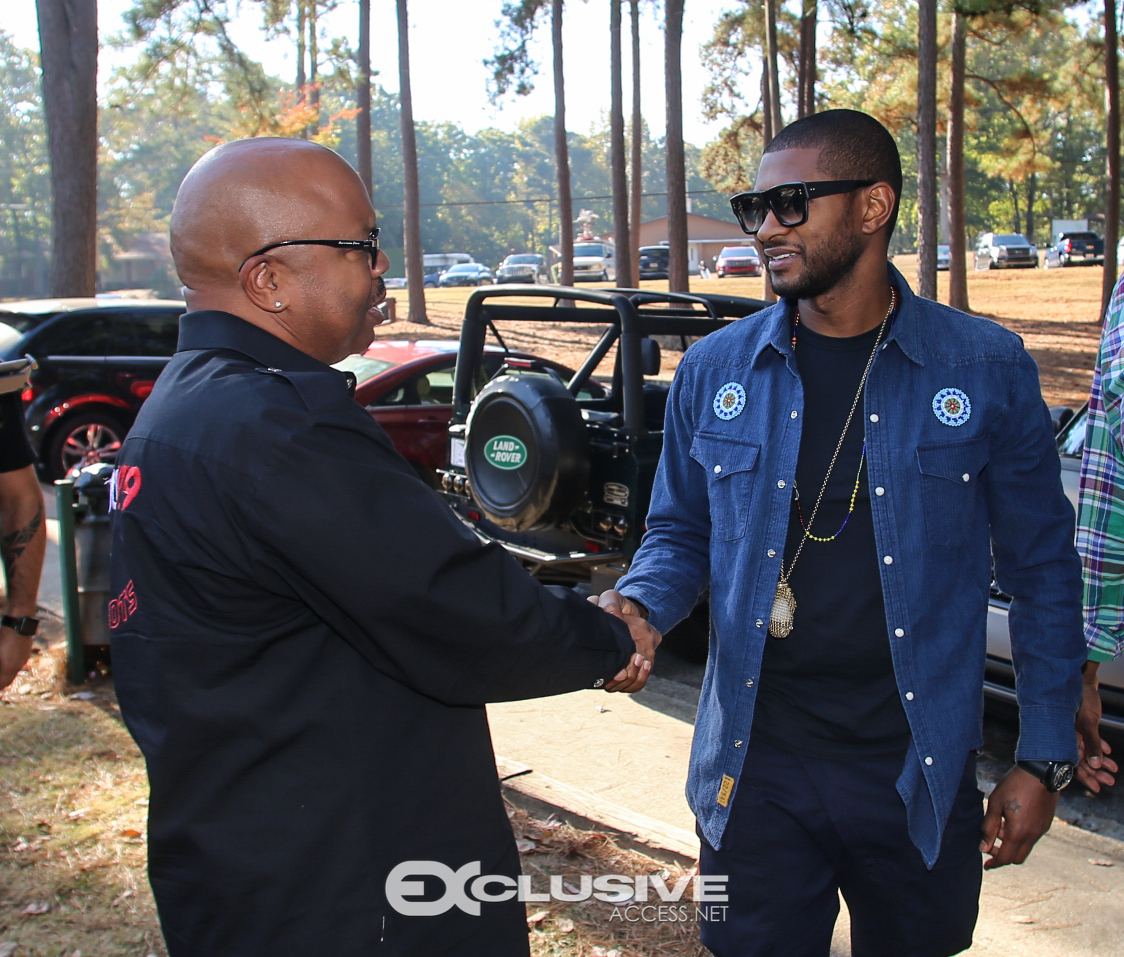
128,484
124,605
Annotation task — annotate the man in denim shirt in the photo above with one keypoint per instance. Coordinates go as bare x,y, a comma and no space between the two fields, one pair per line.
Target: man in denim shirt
839,470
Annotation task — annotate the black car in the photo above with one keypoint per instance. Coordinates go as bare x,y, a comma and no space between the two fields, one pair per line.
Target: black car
95,369
654,262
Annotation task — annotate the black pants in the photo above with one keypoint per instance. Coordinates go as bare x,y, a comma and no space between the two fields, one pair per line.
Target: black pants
802,830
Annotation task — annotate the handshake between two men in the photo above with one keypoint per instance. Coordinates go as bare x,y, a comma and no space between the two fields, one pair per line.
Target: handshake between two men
635,674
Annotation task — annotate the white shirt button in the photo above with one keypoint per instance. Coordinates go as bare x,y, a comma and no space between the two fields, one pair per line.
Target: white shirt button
599,682
900,632
929,761
909,696
717,469
749,683
759,623
880,491
738,744
771,553
887,559
966,477
793,414
781,483
874,417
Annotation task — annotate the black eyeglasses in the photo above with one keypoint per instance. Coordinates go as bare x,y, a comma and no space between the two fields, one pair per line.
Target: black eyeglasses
788,201
371,244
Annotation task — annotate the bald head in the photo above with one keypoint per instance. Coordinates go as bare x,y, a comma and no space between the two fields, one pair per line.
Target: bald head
243,195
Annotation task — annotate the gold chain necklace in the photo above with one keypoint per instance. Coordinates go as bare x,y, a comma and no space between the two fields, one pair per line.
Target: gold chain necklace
784,601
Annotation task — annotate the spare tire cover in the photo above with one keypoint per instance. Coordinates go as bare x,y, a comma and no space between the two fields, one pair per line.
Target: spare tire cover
526,451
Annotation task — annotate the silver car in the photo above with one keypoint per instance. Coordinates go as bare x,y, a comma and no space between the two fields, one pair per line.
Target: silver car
1000,679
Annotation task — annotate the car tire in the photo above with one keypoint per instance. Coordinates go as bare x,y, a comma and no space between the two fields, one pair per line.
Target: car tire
85,438
535,422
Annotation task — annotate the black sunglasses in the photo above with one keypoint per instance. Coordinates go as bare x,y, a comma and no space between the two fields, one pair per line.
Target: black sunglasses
788,201
371,244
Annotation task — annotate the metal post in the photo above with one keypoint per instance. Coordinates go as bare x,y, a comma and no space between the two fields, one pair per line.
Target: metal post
68,562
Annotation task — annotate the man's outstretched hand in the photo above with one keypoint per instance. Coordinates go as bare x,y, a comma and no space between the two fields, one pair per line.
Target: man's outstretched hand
635,675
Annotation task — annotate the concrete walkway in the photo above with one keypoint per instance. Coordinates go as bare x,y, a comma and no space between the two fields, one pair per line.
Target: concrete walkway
625,759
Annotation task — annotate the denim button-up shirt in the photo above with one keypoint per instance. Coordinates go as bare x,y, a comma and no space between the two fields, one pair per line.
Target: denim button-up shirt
962,465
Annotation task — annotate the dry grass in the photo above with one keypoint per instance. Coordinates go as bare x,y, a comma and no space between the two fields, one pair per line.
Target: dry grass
1056,311
72,822
593,928
73,805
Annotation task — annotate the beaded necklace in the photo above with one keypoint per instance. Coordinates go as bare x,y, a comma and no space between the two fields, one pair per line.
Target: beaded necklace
784,601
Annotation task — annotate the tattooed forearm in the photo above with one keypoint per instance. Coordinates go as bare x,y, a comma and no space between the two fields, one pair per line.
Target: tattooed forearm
13,544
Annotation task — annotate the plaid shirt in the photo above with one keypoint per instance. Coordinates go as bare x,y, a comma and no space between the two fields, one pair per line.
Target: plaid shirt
1100,518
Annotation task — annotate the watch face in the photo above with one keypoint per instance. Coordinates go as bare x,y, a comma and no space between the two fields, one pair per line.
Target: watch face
1061,775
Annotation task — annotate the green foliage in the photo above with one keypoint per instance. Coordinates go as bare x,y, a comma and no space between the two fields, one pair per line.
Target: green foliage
24,174
1035,101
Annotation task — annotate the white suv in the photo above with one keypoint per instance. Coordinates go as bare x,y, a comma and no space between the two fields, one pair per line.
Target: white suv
1006,251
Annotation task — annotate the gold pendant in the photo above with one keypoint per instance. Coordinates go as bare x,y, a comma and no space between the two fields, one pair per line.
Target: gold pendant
784,608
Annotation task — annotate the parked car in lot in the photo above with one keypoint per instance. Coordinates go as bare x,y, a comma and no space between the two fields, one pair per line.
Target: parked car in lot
738,261
1075,249
523,267
1005,251
595,262
654,262
1000,680
467,274
96,366
944,257
408,389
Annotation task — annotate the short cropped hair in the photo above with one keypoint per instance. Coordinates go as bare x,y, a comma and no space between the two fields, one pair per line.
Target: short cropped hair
852,145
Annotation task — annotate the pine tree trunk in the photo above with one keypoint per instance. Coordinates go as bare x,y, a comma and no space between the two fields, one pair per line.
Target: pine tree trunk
562,153
1112,143
807,80
68,37
771,64
927,149
636,144
619,161
957,228
411,225
678,266
363,98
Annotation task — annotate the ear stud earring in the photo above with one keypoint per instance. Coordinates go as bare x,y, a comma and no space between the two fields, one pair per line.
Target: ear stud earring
278,304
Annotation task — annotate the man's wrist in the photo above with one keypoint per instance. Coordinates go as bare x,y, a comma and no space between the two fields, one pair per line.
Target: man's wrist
1054,775
25,625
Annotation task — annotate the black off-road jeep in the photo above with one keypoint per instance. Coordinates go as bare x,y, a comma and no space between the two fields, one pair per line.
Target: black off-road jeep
560,476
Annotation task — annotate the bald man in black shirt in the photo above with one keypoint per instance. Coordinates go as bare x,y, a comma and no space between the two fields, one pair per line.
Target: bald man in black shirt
304,636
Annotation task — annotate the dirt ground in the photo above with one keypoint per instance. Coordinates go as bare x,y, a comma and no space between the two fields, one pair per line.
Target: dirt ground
1056,312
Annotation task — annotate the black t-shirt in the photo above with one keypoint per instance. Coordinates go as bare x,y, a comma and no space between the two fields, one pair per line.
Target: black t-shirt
828,689
15,449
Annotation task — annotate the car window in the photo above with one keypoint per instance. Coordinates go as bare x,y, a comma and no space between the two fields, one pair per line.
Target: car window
81,335
362,367
155,335
1072,439
435,387
1009,239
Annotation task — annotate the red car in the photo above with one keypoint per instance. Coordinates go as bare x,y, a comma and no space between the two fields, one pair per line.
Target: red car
408,388
737,261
